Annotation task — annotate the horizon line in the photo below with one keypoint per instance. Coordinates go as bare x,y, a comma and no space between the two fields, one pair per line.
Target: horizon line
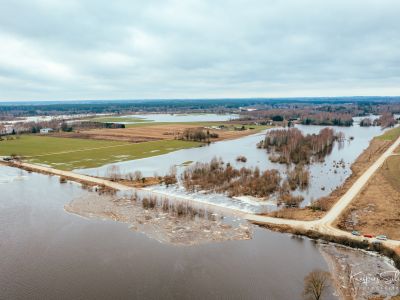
206,98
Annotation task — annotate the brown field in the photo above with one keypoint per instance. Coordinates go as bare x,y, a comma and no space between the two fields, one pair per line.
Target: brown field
374,150
377,209
151,133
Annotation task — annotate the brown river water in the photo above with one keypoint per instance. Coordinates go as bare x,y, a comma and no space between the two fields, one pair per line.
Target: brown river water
58,242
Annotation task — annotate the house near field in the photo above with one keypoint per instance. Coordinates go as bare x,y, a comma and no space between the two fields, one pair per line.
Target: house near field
46,130
6,129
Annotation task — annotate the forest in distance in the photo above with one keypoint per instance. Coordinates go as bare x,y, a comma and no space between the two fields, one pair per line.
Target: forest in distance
353,105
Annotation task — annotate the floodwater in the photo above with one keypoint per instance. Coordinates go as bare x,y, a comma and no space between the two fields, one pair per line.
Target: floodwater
48,253
171,118
48,118
59,241
325,176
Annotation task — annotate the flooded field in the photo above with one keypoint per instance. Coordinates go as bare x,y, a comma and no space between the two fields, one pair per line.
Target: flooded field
64,242
173,118
325,176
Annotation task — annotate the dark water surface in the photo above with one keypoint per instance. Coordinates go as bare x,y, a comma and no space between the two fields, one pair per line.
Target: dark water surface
47,253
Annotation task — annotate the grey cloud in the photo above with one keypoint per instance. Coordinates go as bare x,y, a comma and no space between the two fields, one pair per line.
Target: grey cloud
170,49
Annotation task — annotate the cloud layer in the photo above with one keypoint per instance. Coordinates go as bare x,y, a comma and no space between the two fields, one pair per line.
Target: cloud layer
96,49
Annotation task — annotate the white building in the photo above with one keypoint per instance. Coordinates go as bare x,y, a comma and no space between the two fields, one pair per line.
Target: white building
46,130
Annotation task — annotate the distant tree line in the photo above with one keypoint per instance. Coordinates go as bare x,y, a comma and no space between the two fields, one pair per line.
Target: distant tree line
354,105
327,118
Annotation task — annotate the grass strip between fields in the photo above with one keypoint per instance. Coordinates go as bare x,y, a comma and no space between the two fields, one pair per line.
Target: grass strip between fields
390,135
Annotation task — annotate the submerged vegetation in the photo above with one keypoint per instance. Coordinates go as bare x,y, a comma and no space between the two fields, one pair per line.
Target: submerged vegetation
217,176
291,146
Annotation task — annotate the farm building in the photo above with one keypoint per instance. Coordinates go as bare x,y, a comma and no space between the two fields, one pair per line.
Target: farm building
46,130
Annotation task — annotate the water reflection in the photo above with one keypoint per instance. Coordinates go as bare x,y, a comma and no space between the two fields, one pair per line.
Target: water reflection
172,118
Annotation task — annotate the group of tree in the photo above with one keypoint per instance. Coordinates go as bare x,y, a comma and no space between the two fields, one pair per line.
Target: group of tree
197,135
385,120
291,146
217,176
366,122
220,177
299,176
327,118
114,173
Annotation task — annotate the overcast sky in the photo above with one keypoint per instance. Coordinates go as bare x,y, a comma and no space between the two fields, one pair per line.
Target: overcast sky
95,49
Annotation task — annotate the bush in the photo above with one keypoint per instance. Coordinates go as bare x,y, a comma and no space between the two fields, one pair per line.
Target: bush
241,158
290,200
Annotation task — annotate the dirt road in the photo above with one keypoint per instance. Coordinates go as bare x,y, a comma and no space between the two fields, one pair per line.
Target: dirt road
73,176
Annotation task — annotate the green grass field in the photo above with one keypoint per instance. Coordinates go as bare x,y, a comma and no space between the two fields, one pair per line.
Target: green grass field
69,154
390,135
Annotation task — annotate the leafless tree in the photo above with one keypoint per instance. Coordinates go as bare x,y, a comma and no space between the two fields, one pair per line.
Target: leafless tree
2,129
138,175
114,173
316,285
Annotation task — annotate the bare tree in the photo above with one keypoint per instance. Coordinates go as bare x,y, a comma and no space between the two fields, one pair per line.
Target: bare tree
316,285
2,129
114,173
137,175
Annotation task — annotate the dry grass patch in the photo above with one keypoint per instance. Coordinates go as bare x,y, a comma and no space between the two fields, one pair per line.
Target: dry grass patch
153,132
377,209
